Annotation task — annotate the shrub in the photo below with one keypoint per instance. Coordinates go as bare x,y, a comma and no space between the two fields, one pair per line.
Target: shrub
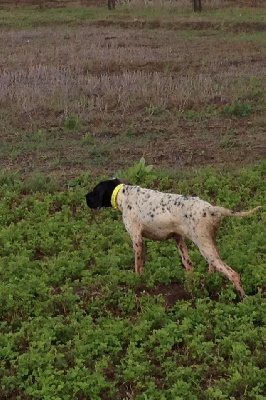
239,108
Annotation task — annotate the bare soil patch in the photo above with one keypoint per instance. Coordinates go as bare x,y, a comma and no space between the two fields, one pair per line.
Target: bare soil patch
171,293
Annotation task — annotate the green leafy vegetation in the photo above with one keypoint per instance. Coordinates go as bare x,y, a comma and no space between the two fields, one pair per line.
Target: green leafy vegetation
77,322
138,172
239,108
72,123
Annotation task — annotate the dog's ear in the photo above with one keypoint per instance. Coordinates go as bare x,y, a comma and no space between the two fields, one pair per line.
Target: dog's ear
94,199
118,180
124,182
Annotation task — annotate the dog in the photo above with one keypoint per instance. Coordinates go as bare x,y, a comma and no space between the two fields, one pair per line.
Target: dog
161,216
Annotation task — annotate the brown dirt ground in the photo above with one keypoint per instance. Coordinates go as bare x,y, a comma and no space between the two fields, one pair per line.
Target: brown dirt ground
168,139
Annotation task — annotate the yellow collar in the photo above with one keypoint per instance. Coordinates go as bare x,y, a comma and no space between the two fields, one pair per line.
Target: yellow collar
114,195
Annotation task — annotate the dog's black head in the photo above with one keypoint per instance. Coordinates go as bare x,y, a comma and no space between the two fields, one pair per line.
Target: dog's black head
101,195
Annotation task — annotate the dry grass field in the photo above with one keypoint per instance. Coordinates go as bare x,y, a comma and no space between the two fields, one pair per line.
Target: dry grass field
85,88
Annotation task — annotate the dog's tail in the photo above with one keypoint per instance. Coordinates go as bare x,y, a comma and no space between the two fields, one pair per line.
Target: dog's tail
231,213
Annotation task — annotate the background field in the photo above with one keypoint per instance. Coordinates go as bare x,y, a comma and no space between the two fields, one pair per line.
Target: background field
81,87
85,93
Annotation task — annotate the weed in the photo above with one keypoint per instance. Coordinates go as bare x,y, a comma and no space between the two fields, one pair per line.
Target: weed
87,139
197,115
8,178
238,108
72,122
39,182
138,172
154,110
130,131
228,142
98,156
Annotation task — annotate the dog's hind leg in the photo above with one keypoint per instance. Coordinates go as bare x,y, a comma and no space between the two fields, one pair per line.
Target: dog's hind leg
182,247
209,251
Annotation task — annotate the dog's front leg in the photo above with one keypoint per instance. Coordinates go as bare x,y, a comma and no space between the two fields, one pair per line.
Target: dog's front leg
138,246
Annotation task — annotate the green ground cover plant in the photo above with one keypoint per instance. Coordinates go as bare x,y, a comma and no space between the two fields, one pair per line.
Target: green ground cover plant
77,322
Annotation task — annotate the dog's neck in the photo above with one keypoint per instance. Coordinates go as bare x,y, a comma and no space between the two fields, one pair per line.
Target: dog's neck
114,195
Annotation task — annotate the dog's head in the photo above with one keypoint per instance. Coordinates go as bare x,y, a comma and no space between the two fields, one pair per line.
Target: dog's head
101,195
